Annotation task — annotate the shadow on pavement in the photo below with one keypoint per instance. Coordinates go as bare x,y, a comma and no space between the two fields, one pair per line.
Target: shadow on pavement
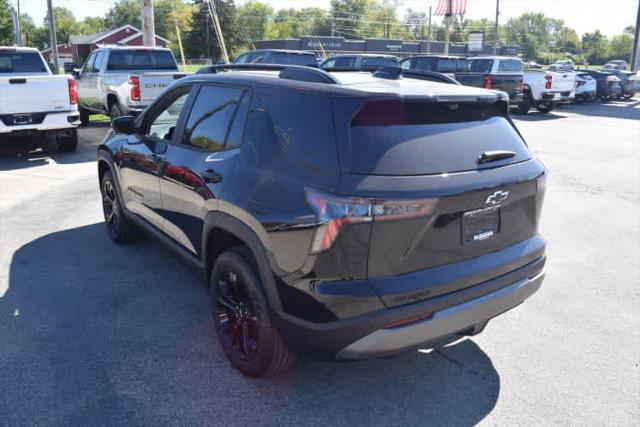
618,109
535,116
23,153
96,333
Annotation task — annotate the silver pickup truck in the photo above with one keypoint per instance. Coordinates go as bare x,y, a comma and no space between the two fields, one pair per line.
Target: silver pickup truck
123,80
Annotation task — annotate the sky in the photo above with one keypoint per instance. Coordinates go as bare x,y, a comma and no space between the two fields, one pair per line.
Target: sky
609,16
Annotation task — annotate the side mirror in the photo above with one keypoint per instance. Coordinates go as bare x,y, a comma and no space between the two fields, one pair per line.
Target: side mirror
76,74
125,125
68,67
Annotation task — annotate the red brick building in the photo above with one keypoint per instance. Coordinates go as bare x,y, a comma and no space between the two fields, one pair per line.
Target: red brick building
125,35
65,54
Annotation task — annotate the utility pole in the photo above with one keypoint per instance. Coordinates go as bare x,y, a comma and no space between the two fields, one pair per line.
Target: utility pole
447,22
218,29
53,39
635,56
19,40
495,31
429,34
175,21
148,25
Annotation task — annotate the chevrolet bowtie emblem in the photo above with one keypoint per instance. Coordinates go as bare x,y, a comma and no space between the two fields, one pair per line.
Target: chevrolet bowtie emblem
497,198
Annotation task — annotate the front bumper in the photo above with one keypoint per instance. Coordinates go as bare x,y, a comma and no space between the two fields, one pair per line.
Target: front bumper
54,121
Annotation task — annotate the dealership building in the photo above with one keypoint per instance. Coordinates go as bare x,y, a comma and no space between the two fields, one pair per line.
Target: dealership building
335,45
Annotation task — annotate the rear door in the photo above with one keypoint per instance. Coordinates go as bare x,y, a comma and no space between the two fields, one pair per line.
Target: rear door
198,164
454,182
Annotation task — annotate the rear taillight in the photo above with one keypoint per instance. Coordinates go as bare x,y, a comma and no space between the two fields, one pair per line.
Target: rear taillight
488,82
334,212
73,92
548,82
134,94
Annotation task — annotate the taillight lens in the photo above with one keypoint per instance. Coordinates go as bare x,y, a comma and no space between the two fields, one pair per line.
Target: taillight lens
134,81
488,82
73,92
547,84
334,212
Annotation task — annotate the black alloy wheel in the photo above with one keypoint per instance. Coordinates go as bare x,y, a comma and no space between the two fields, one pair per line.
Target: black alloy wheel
119,227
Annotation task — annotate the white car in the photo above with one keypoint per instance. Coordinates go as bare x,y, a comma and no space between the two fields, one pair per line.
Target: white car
586,87
34,102
563,65
544,89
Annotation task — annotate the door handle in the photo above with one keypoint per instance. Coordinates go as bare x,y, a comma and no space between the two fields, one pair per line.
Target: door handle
211,177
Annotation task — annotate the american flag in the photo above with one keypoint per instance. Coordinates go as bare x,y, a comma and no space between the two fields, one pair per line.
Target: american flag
458,7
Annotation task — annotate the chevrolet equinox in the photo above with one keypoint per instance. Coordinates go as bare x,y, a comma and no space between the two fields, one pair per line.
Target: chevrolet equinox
347,215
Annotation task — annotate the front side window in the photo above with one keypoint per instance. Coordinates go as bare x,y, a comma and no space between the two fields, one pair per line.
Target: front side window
88,65
406,64
210,120
163,126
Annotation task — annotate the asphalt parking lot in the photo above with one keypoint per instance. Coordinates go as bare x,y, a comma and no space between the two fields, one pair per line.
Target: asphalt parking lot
94,333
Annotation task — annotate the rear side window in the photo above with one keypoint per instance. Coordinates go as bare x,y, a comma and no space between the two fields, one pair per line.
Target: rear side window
210,120
480,65
21,62
121,60
510,65
293,59
418,138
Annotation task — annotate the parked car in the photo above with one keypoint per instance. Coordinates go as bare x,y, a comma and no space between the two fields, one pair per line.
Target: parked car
629,82
503,73
350,217
563,65
123,80
34,102
616,64
607,84
586,87
359,62
278,56
436,63
544,90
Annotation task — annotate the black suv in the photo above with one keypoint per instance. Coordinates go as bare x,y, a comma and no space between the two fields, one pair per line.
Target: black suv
278,56
347,215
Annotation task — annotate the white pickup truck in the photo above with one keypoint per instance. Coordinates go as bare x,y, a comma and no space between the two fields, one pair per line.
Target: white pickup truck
123,80
544,89
34,102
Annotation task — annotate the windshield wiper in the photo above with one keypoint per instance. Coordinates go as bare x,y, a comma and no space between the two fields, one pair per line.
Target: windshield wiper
493,156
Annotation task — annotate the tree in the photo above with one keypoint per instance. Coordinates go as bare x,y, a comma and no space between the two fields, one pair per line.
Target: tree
124,12
347,14
66,24
596,47
416,24
254,17
6,23
531,32
621,47
629,29
201,40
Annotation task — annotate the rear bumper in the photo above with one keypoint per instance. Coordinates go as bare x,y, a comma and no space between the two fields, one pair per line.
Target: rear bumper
558,97
478,289
51,122
450,322
515,99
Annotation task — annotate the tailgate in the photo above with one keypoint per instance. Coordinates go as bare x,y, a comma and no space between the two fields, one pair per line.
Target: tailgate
510,83
563,82
152,84
34,94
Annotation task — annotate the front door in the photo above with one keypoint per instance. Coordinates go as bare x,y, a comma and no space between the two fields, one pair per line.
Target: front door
199,164
142,156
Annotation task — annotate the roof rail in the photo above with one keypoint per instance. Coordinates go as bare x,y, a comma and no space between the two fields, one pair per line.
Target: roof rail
396,73
291,72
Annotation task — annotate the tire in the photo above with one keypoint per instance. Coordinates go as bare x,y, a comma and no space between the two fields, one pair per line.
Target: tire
545,107
119,227
115,111
241,318
526,104
84,117
68,143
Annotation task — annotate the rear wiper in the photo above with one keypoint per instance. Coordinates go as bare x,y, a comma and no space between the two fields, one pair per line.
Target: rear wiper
492,156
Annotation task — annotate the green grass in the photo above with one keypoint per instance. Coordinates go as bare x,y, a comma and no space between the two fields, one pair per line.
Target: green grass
99,118
191,68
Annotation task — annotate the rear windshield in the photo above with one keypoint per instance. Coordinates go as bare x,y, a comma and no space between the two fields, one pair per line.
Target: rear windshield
510,65
293,59
378,61
21,62
441,65
396,138
481,65
141,60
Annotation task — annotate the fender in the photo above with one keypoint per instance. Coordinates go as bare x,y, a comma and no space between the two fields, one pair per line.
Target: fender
252,241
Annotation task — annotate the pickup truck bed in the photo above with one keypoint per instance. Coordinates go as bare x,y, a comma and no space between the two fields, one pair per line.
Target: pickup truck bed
510,83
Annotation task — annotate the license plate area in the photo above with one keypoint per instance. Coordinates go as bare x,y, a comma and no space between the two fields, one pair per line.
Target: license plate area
480,224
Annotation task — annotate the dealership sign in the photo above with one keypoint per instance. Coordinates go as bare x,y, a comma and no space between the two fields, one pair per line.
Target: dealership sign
476,39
